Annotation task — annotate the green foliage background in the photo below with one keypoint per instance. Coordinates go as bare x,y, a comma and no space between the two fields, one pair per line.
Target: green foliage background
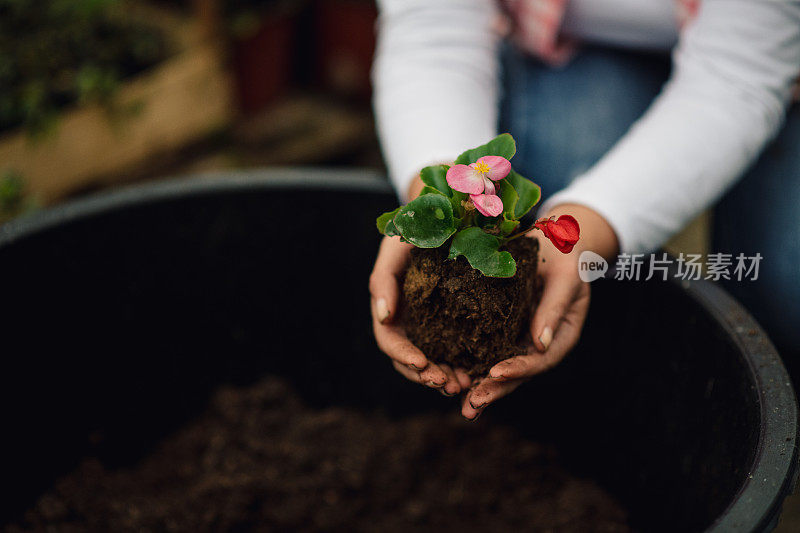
57,52
13,200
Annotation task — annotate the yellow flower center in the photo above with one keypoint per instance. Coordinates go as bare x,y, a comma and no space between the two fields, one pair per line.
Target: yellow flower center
482,167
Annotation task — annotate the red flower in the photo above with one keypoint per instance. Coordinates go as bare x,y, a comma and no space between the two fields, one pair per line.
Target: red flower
563,233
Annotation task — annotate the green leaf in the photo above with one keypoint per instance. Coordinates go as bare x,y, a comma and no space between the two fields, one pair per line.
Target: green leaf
508,226
481,250
528,192
455,201
502,145
510,198
427,221
431,190
391,230
385,219
436,177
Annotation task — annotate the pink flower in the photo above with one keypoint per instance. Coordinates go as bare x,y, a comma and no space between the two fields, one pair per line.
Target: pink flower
476,180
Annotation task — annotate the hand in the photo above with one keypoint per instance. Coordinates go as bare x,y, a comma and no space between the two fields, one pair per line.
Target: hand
556,325
384,288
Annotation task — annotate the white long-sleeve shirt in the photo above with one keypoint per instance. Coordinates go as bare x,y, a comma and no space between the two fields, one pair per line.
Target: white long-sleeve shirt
436,93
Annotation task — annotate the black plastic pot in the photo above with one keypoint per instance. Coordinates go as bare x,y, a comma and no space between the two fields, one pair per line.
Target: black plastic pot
123,311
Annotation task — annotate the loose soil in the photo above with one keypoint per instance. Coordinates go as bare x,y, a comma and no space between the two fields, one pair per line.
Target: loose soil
261,459
458,316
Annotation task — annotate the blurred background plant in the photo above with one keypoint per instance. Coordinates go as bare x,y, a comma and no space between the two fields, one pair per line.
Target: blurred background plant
243,17
13,199
240,18
55,53
141,89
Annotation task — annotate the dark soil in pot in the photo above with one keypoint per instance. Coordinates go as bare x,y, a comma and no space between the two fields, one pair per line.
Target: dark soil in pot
260,458
458,316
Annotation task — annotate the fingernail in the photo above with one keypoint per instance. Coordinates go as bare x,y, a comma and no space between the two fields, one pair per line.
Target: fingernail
434,384
481,406
474,418
383,310
412,366
546,337
495,374
448,394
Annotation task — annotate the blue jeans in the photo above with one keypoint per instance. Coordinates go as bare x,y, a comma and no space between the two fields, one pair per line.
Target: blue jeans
566,119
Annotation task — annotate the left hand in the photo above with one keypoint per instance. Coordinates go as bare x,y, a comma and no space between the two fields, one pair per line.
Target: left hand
385,294
557,323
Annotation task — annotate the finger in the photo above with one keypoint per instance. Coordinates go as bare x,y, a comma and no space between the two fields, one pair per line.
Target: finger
463,378
452,386
384,284
502,370
384,308
536,362
525,366
559,292
393,255
433,376
411,375
469,412
568,333
488,391
384,296
393,342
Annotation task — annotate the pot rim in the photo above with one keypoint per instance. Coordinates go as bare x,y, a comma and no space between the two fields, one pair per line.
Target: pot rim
192,185
772,476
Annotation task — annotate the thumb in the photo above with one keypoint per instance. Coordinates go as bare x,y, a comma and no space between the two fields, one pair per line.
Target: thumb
384,289
559,291
384,292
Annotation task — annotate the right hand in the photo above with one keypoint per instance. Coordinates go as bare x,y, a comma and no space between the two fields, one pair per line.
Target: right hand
385,292
558,320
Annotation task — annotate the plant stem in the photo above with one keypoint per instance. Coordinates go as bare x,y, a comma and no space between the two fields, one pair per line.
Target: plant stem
507,240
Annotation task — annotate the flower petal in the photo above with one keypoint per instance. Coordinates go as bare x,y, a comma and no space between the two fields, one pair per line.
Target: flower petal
487,204
563,233
566,228
543,224
500,166
463,178
564,247
488,186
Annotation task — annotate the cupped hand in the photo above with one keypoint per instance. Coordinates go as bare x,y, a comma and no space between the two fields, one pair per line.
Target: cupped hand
558,320
555,328
408,360
385,291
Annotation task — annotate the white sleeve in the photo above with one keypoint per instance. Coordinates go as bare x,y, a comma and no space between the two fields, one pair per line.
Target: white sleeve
435,81
733,72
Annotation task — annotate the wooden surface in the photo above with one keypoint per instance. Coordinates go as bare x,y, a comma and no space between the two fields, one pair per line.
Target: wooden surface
182,99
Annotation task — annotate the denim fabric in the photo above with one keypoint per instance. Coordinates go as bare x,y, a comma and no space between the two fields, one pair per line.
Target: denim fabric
565,119
762,214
